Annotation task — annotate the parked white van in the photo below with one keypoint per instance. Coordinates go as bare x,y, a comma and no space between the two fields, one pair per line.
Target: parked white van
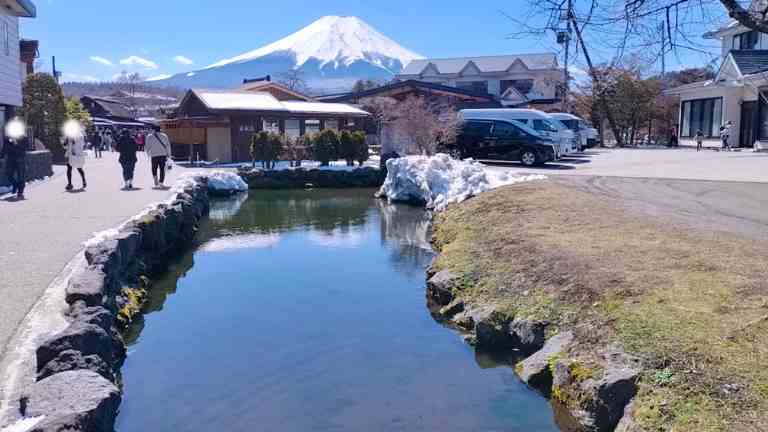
586,132
540,121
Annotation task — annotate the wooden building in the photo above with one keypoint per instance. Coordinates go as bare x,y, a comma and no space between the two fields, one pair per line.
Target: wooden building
456,97
217,125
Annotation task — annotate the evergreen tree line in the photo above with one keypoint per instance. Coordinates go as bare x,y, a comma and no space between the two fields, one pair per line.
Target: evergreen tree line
328,145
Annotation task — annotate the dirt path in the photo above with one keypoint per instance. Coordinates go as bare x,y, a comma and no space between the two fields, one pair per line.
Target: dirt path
740,208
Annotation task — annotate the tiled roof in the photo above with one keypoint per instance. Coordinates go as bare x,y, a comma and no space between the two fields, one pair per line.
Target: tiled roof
403,84
485,64
751,61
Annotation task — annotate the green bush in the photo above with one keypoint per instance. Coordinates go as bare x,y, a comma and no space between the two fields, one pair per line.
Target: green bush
45,111
324,146
266,147
347,145
361,147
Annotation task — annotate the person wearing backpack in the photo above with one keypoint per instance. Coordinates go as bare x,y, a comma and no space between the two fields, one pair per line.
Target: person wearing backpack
157,145
126,147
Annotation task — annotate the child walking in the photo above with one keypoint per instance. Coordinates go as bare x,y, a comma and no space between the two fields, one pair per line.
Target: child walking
699,140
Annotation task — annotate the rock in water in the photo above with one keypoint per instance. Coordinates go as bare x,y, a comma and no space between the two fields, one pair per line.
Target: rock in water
73,401
534,370
440,288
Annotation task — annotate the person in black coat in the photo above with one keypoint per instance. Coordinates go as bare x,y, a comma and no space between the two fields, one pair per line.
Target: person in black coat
127,148
15,154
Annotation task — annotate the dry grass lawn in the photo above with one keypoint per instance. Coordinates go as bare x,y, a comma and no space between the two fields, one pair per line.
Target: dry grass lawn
692,305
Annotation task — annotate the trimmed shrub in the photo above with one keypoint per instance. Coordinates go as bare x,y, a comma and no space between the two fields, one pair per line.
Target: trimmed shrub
266,147
324,146
361,147
347,144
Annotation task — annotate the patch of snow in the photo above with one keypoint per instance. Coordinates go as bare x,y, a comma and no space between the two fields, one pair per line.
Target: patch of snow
440,180
329,40
23,425
225,181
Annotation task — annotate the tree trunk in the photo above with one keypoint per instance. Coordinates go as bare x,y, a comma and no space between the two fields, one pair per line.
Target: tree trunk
596,79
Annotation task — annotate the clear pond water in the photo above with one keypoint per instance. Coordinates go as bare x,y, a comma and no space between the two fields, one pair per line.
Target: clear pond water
306,311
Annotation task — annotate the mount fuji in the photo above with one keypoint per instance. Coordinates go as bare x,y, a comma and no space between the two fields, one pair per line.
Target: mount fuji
330,54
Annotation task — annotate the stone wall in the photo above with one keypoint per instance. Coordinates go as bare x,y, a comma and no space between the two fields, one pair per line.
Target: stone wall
39,165
301,178
78,370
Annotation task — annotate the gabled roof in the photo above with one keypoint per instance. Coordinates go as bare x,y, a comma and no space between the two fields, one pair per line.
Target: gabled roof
110,106
750,61
241,100
401,85
484,64
264,85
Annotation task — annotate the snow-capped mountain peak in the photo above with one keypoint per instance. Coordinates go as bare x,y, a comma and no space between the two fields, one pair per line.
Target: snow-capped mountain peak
334,40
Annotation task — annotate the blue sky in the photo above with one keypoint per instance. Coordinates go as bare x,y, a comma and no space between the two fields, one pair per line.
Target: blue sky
96,39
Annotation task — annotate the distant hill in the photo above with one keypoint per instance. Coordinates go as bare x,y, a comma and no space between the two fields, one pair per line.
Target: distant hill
330,54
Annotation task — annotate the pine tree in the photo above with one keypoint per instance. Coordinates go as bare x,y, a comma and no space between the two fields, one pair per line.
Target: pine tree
45,111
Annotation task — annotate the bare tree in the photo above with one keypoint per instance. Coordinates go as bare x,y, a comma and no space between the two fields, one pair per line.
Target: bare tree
294,80
132,82
382,110
425,125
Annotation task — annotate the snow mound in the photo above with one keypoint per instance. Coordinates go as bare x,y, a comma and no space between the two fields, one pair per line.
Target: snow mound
225,181
439,180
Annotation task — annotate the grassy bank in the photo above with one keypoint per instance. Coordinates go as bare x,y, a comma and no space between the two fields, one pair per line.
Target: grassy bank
692,305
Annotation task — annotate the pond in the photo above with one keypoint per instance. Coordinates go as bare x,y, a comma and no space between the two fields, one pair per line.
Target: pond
306,310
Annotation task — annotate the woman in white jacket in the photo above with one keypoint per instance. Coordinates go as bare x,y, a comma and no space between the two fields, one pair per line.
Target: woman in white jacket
75,154
157,145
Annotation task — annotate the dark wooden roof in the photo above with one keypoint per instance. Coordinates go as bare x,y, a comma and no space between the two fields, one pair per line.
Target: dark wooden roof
99,107
410,84
751,61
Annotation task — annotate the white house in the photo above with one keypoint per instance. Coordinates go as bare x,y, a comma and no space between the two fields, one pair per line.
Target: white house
524,79
738,93
11,70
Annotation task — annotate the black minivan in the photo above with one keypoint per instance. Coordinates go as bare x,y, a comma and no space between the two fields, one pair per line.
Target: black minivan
502,140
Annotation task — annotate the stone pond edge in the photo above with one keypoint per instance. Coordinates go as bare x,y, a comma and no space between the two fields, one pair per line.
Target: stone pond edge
78,370
601,403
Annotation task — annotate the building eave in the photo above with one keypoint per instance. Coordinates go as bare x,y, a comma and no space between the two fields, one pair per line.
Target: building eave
22,8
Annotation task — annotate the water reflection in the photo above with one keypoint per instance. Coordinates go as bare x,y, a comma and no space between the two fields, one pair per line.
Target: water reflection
305,311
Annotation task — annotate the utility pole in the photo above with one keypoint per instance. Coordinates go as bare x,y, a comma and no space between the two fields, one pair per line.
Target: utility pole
56,74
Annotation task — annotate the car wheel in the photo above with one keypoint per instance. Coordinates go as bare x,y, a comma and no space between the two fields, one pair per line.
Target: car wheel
528,158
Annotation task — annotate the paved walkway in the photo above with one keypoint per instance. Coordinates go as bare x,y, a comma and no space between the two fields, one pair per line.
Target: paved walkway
681,164
40,235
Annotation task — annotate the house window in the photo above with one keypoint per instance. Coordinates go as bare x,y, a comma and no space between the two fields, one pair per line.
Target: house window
524,86
293,128
702,114
746,41
332,125
271,125
473,86
311,126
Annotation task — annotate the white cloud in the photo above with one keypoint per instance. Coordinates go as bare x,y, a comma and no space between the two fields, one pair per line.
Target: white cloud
102,61
139,61
180,59
70,77
159,77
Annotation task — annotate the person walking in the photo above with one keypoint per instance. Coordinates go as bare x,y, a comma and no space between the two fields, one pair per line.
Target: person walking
158,148
699,140
725,135
75,155
97,142
126,146
15,153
